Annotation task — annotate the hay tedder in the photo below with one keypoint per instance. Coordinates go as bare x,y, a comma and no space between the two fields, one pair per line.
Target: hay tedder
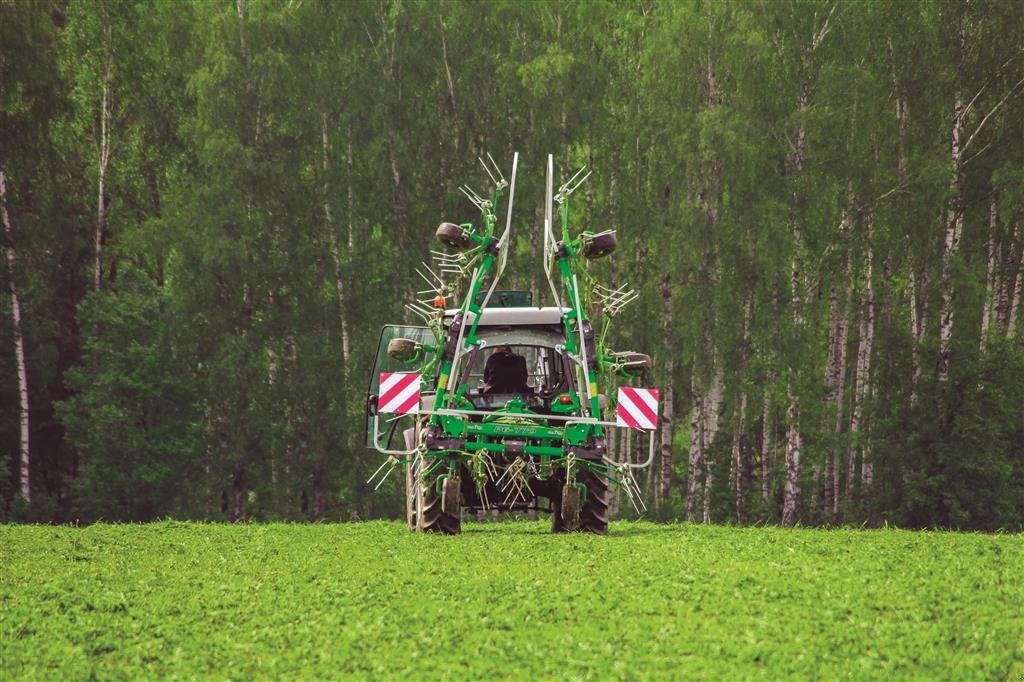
496,404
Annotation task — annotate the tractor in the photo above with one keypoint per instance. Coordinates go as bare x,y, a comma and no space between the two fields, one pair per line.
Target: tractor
498,404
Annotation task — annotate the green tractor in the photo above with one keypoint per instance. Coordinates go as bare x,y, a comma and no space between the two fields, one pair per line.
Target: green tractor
497,404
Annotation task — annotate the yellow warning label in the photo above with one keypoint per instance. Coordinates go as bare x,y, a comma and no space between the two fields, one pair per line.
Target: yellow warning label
442,381
593,390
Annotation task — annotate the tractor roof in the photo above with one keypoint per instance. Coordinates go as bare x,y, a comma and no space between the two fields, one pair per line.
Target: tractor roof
518,316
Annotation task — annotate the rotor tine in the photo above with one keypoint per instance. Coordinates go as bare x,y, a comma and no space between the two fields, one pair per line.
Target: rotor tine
487,170
574,176
390,462
473,196
419,312
564,190
430,284
497,169
434,274
582,180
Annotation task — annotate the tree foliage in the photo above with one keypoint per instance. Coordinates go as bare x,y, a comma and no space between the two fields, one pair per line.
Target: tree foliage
829,281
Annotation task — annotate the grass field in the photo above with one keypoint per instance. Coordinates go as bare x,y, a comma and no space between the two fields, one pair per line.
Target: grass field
507,600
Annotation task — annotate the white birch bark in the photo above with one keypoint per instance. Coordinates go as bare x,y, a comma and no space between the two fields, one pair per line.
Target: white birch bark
332,237
694,470
837,401
791,492
862,381
104,162
1015,300
918,299
448,77
24,479
667,399
738,464
766,443
794,441
953,232
712,417
954,222
990,301
835,366
960,141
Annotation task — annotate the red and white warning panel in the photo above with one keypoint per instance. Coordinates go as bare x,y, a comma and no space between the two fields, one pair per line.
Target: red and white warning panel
638,408
399,392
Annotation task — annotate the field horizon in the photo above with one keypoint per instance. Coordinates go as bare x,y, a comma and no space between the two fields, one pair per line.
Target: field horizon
508,600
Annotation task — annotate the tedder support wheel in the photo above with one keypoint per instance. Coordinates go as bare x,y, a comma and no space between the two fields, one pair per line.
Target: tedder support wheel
453,236
403,349
570,507
569,512
599,246
433,515
557,522
634,362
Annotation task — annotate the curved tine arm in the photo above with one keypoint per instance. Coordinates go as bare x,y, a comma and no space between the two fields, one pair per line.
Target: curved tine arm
650,457
377,446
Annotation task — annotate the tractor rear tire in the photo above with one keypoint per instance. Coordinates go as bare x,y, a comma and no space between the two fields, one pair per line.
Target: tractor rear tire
453,236
431,517
594,514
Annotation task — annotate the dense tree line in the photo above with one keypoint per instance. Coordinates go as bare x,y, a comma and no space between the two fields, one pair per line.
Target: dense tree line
210,208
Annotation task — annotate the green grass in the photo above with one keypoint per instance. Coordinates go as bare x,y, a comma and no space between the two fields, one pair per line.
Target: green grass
507,600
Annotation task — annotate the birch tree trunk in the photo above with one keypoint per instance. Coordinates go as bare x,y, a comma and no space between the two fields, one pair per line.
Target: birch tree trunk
712,416
239,493
100,235
738,461
766,443
668,396
837,401
918,299
990,302
835,370
738,464
1014,314
694,469
865,344
332,236
24,480
791,492
954,217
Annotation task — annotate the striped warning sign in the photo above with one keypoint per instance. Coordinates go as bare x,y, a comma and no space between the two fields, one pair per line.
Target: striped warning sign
399,392
638,408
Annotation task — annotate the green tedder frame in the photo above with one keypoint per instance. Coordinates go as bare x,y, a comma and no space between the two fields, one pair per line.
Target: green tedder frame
548,446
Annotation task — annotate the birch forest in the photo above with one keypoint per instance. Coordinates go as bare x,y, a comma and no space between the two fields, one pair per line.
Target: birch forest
211,208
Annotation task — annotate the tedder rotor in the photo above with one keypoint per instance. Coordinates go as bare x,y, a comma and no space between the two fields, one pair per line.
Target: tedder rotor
500,404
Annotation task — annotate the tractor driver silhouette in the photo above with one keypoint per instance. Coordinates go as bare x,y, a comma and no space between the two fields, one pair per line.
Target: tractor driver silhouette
505,372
